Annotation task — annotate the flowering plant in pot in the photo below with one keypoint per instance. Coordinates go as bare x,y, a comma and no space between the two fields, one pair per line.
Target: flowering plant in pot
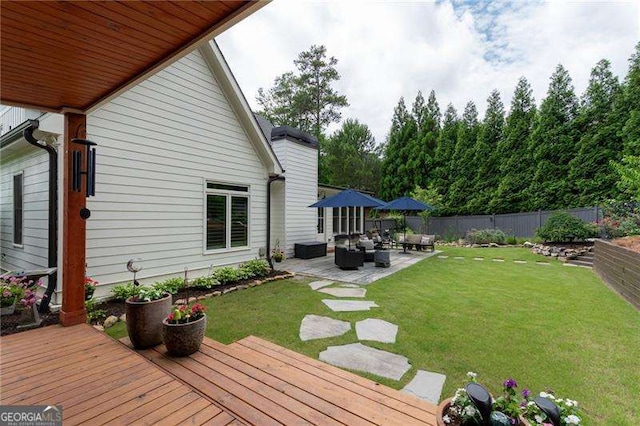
183,329
8,297
145,311
277,254
89,287
568,411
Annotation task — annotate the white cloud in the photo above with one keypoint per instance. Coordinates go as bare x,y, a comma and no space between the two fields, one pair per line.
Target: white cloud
391,49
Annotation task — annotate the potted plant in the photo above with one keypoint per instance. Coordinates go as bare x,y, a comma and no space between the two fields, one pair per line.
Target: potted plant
8,298
510,408
145,311
183,329
89,287
277,254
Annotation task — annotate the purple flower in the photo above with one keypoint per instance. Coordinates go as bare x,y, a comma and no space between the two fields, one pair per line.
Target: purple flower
513,421
523,404
526,393
510,383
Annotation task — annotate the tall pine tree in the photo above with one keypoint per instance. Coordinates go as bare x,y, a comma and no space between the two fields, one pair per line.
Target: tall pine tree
463,169
554,145
516,162
590,173
443,158
485,160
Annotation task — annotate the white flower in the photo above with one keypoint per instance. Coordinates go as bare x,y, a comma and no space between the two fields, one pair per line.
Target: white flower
572,420
538,419
559,401
446,419
469,411
568,403
530,404
547,395
471,375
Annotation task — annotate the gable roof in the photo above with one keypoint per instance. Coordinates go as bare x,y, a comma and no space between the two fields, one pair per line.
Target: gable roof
220,69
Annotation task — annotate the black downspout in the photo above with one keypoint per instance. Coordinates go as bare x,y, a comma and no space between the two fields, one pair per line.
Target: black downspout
269,182
53,211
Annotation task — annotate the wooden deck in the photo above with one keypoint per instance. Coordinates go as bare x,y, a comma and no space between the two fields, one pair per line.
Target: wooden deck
98,380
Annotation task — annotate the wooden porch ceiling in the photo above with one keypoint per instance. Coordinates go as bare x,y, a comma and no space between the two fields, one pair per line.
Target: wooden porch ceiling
76,55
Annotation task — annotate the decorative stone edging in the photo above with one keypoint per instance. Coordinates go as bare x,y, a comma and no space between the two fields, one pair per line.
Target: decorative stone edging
112,320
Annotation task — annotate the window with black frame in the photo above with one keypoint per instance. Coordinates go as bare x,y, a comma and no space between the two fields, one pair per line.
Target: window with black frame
18,216
227,216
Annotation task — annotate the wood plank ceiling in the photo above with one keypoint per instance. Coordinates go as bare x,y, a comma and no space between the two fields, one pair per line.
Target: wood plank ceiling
73,55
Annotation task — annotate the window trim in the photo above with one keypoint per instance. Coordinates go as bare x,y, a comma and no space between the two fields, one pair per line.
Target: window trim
227,194
13,199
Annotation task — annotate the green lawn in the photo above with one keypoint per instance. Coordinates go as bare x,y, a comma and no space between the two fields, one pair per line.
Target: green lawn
549,327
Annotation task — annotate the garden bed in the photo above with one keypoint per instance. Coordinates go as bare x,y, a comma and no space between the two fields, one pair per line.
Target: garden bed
632,243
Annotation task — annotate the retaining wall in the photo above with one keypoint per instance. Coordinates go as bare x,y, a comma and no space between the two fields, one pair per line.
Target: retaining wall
619,267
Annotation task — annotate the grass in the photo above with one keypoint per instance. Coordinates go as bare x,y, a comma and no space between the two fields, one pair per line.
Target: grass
547,326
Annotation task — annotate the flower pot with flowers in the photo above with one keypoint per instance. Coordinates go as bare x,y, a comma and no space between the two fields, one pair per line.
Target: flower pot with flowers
9,295
145,311
89,287
183,329
277,254
473,405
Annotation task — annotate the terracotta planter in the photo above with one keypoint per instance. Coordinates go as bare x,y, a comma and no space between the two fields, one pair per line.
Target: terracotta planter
144,321
183,339
441,411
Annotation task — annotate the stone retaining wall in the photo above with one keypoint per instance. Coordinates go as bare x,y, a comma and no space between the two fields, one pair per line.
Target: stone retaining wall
619,267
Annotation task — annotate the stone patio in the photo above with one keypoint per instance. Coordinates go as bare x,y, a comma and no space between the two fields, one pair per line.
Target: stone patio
325,268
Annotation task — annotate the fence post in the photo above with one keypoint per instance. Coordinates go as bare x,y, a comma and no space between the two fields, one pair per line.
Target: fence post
539,218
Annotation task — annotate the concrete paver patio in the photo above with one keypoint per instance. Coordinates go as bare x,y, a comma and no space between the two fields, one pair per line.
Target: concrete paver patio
325,268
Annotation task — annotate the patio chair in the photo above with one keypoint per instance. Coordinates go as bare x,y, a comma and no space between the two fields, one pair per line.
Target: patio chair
349,259
368,248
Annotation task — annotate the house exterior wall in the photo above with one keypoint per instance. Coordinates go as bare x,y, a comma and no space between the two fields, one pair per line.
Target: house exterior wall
34,164
301,188
159,143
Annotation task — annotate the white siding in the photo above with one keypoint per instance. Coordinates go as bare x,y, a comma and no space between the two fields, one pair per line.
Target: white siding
301,188
158,143
34,163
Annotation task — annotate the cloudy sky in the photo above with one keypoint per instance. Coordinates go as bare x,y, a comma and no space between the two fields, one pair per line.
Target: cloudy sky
462,50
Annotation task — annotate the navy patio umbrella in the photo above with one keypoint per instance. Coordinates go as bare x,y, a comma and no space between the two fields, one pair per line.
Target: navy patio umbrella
349,198
404,205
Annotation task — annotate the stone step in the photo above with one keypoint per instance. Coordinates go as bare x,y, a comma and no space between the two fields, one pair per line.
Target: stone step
580,262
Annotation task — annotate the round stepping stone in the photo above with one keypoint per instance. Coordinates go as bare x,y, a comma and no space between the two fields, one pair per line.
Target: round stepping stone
319,284
357,356
426,386
349,305
344,292
377,330
317,327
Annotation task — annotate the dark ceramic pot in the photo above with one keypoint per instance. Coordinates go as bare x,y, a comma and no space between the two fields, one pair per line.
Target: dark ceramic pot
183,339
144,321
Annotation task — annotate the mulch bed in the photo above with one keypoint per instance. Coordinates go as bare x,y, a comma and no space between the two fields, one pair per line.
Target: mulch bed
9,323
632,243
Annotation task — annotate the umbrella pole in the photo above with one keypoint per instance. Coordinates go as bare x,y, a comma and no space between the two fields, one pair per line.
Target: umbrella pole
404,239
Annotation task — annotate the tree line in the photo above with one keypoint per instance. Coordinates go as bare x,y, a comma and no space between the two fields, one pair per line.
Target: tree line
569,152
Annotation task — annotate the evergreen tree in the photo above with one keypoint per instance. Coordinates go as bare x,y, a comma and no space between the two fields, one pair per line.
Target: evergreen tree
554,145
485,160
353,159
463,170
516,163
395,178
591,176
629,129
422,147
446,145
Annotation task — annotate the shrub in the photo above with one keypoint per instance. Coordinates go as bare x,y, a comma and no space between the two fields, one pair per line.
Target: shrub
93,313
563,227
512,240
226,275
255,268
204,283
486,236
170,285
123,291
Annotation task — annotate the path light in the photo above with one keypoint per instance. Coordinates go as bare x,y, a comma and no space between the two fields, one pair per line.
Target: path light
481,398
133,268
549,408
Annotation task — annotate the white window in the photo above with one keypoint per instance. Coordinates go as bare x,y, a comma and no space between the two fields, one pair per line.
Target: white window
18,204
227,216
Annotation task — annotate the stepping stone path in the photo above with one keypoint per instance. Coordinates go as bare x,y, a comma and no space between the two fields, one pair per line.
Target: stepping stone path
357,356
443,257
377,330
426,386
519,261
317,327
319,284
349,305
543,263
478,258
498,260
344,292
459,258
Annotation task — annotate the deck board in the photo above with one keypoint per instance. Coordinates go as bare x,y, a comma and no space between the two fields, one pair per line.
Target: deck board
98,380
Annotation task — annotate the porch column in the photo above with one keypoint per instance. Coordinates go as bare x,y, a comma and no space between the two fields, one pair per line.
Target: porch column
73,228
